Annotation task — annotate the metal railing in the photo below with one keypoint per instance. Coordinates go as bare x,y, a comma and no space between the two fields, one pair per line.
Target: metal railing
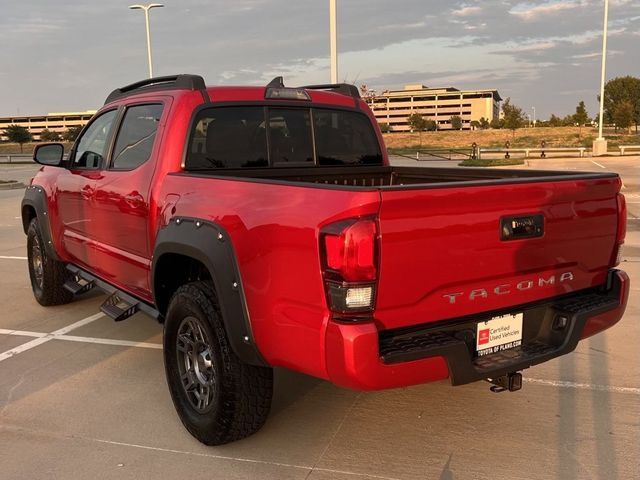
16,158
439,154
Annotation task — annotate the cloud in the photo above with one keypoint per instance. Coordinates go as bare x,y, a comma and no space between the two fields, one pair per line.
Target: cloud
530,13
466,12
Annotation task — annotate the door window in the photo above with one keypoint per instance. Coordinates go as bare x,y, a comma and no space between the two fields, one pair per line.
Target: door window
136,136
92,146
228,137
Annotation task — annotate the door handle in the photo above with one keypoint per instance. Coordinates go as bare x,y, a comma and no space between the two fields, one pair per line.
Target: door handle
135,200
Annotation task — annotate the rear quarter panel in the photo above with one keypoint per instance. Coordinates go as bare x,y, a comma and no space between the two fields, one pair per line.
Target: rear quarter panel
274,231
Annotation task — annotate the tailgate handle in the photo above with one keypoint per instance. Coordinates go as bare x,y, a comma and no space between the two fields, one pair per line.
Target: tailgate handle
517,228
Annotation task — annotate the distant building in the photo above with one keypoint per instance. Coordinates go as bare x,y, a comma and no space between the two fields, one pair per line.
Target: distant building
56,122
393,107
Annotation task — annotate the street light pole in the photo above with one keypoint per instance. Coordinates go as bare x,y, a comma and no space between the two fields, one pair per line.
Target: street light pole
333,33
534,116
146,9
600,144
604,60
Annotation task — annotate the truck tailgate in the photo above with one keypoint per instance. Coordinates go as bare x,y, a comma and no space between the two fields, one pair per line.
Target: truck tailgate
442,255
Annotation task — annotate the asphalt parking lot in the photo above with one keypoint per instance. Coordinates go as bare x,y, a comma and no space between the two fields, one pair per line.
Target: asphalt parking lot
84,397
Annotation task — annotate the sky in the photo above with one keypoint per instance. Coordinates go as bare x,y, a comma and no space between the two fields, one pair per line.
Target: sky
67,55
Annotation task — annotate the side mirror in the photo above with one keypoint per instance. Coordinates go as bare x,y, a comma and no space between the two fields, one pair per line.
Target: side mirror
49,154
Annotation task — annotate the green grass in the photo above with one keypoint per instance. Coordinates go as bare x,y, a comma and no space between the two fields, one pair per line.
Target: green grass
488,162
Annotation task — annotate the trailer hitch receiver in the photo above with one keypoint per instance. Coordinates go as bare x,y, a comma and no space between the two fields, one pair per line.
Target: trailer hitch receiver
511,381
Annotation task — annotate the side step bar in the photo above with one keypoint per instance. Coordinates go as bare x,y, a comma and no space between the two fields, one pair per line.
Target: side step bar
119,305
117,308
78,285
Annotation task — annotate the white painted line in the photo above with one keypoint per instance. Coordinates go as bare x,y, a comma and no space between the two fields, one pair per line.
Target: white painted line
47,337
22,348
109,341
78,324
598,164
22,333
3,257
240,459
61,335
583,386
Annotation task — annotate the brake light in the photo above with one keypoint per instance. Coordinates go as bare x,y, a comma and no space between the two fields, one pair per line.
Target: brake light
350,252
349,262
622,229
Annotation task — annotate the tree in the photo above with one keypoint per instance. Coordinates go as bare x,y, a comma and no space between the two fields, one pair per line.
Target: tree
623,115
432,126
619,90
18,134
71,134
456,122
484,123
384,127
555,121
48,136
475,124
513,116
417,124
581,116
497,123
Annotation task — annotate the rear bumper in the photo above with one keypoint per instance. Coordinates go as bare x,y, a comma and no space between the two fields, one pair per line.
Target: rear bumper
362,357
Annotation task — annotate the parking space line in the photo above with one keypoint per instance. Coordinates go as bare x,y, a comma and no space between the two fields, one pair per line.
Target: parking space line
4,257
309,468
583,386
109,341
47,337
23,348
598,164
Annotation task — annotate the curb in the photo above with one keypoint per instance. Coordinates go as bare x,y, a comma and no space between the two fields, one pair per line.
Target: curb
11,185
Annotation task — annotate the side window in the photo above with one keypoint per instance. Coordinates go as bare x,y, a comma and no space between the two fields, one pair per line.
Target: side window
228,137
136,136
290,136
92,146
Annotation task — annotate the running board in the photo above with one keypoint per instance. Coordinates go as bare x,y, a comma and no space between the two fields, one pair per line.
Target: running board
118,308
78,285
119,305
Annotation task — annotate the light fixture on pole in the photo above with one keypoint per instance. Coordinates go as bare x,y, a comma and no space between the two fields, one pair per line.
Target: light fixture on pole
333,34
600,144
146,9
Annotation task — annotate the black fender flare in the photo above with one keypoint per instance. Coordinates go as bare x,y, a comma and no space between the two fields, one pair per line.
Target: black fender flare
210,244
36,198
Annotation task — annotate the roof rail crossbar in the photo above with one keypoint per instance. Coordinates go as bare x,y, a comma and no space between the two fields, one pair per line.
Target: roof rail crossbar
343,88
169,82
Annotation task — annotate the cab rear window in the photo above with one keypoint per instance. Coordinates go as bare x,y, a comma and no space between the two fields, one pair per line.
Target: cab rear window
261,136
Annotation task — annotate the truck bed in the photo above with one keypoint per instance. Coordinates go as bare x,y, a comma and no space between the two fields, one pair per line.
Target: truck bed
391,177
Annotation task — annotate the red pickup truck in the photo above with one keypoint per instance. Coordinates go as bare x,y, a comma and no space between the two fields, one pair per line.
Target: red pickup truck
265,228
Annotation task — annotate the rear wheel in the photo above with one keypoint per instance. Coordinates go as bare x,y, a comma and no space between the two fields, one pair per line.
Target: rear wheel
218,398
47,274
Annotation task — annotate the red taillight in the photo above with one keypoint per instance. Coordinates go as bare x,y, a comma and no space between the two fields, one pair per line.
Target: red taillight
622,229
350,250
622,218
349,264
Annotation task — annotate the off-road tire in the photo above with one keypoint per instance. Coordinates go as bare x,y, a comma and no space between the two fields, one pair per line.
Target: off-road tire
47,275
241,399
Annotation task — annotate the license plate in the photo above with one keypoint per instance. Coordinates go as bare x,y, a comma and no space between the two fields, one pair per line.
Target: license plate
498,334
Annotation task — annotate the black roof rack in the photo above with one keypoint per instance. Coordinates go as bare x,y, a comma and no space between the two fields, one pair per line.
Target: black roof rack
169,82
343,88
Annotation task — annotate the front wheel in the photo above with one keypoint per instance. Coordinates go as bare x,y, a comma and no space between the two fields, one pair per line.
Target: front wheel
219,399
47,274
